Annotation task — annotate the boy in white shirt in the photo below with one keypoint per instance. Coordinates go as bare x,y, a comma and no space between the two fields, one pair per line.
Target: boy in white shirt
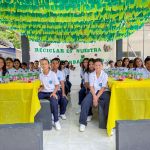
97,95
55,63
147,69
49,88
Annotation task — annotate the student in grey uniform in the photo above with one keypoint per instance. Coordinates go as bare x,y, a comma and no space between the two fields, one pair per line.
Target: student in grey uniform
3,70
147,69
55,63
48,89
17,67
97,95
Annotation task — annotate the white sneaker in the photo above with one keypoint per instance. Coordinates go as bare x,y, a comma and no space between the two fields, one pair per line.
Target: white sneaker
57,125
78,111
63,117
89,118
52,117
82,128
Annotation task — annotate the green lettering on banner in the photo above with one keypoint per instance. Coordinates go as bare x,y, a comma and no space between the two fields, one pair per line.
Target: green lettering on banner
78,61
95,49
50,50
74,61
62,50
91,50
40,49
36,49
44,50
77,50
99,49
67,50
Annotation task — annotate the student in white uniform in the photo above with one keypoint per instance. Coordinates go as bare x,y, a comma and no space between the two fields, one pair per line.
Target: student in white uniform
111,64
31,68
67,74
36,66
138,65
55,63
24,66
97,95
119,66
147,69
49,88
67,71
17,67
3,70
125,64
9,65
82,92
87,85
81,74
130,66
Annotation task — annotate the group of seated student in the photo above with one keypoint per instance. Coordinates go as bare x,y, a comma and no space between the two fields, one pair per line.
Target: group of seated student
14,67
136,65
54,77
94,89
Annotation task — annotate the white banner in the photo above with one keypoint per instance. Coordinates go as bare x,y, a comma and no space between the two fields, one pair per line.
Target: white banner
74,52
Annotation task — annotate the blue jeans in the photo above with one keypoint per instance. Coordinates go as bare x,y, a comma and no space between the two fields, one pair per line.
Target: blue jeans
88,102
53,103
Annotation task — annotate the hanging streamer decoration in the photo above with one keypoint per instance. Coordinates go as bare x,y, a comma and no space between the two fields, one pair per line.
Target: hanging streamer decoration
74,20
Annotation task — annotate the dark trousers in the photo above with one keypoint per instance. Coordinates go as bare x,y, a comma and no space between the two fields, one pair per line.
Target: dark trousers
53,103
82,94
88,102
62,102
67,87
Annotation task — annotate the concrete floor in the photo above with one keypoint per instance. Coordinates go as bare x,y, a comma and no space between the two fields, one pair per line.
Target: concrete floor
69,138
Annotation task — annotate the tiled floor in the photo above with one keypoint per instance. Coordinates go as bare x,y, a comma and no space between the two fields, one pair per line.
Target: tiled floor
69,138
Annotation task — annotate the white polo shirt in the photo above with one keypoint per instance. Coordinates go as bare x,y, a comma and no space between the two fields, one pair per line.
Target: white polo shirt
19,71
99,82
146,74
81,73
67,72
11,71
60,77
33,71
86,77
49,81
140,70
122,69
